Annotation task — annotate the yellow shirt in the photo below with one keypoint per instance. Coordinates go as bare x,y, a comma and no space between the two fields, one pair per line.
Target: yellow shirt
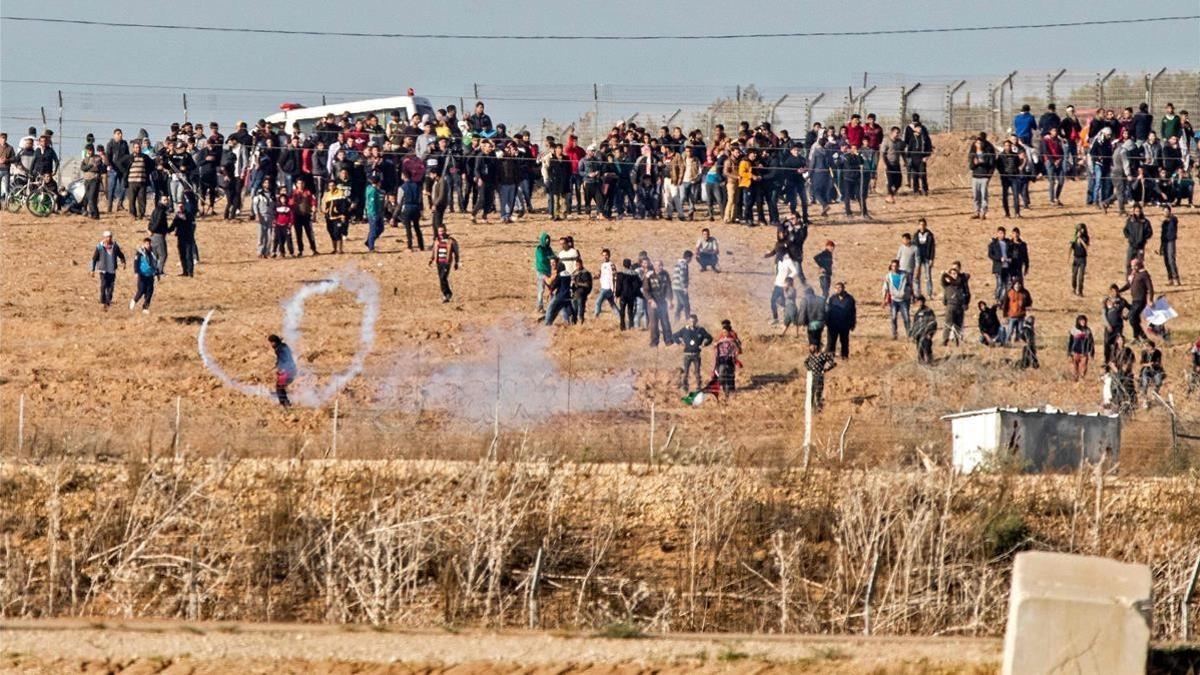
744,173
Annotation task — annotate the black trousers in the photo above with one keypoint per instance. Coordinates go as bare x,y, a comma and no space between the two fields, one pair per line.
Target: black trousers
660,322
918,179
627,310
412,225
108,280
303,226
91,197
233,198
835,335
136,194
443,270
894,178
1135,319
187,254
145,290
1078,269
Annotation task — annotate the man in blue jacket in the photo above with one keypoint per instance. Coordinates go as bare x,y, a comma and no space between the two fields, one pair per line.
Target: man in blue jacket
1024,125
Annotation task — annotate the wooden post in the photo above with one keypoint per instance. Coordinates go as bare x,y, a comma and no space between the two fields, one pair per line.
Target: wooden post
652,432
808,405
185,109
533,584
21,424
175,440
333,447
1184,612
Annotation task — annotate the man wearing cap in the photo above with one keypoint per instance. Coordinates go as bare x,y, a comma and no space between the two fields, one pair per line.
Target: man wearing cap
105,258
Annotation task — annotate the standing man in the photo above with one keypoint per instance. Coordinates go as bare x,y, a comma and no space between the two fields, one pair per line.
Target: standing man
918,146
818,363
893,151
543,256
158,228
926,251
1053,154
304,203
8,157
656,288
1001,257
1024,126
137,170
841,318
1010,164
184,226
1138,232
91,168
924,327
1169,232
117,151
445,254
285,368
693,337
854,181
1141,291
907,256
982,161
679,286
955,296
581,288
824,261
373,210
608,277
105,258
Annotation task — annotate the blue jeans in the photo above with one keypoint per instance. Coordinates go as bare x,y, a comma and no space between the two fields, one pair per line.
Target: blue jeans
1054,180
899,308
116,187
1101,184
925,272
559,304
375,225
639,316
605,294
508,198
525,195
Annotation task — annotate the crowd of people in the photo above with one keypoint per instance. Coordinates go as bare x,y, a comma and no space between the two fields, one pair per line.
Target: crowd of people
409,172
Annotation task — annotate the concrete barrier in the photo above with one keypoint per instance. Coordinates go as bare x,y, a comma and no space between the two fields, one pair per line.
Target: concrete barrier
1077,614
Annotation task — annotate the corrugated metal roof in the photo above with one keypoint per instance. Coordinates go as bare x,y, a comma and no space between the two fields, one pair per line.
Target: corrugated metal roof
1047,410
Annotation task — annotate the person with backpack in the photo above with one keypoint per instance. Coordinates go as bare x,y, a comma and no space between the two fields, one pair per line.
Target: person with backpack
147,273
105,258
728,348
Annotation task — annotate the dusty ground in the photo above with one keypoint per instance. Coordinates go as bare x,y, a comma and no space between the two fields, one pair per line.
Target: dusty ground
165,647
109,381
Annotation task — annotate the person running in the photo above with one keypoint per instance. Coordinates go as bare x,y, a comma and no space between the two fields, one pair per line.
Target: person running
285,368
1081,347
817,364
693,337
146,270
728,348
446,255
608,279
1079,255
105,258
924,327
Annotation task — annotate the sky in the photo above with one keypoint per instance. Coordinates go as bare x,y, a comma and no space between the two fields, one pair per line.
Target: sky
658,74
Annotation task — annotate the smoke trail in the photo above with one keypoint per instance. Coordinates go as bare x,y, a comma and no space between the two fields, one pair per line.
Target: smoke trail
307,392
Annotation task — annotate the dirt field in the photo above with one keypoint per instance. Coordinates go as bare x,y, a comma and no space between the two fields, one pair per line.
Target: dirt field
108,381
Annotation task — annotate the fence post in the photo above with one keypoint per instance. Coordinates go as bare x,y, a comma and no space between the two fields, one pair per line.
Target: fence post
950,92
904,94
475,88
652,433
595,112
175,440
808,108
185,108
776,105
1051,80
808,406
21,424
334,444
1100,87
58,174
1150,82
862,98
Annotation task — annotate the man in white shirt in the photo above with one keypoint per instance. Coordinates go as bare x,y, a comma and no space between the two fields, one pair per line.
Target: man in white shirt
568,255
608,272
707,251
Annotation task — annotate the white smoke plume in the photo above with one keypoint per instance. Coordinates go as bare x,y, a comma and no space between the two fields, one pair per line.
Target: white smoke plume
509,379
307,392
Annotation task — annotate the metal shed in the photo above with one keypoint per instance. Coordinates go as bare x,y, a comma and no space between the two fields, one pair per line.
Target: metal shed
1040,439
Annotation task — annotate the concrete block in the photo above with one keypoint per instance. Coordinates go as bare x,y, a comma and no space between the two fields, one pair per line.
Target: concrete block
1077,614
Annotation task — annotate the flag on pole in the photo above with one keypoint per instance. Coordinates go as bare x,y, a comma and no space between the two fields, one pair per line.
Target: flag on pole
713,388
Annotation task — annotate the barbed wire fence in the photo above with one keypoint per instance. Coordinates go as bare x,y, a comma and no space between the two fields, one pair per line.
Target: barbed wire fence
945,103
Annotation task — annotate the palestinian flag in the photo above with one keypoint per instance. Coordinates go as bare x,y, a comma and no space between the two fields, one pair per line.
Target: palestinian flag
700,395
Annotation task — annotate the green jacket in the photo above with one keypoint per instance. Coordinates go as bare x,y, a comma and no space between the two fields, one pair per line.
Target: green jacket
542,255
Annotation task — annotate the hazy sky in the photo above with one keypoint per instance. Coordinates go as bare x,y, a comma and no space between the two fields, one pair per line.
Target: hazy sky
446,69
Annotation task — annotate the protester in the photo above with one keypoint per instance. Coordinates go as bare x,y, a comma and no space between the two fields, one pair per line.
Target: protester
1017,302
824,261
543,256
409,207
1151,375
1079,255
728,348
1081,347
1141,290
817,364
608,279
285,368
303,204
926,245
897,291
282,244
679,286
924,327
146,270
105,258
956,296
1137,232
581,287
991,332
446,255
1169,234
558,282
656,289
693,337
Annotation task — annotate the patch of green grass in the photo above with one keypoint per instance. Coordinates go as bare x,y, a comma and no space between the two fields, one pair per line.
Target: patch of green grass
621,630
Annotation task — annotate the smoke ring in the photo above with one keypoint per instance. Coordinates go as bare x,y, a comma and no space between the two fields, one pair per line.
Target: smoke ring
366,293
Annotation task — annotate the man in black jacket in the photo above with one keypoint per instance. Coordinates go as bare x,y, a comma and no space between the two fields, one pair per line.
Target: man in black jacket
486,172
841,317
158,228
1169,232
117,151
794,167
656,288
918,146
693,337
1000,253
955,296
1138,232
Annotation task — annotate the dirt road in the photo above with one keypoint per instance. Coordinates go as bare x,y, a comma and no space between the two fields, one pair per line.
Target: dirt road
177,648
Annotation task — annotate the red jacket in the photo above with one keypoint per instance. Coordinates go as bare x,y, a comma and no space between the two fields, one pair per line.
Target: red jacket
1052,147
854,135
574,153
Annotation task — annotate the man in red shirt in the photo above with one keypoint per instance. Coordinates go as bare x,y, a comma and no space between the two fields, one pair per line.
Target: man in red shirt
1052,153
872,139
575,153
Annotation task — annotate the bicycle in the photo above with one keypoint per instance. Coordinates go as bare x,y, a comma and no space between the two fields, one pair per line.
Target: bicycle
14,201
41,198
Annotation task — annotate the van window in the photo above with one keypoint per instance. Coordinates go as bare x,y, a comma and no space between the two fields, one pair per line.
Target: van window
424,110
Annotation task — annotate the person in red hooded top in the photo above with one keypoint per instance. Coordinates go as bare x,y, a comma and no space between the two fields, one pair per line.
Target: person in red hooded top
575,153
854,131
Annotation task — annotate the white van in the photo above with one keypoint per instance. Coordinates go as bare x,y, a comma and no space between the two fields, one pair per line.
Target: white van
381,107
